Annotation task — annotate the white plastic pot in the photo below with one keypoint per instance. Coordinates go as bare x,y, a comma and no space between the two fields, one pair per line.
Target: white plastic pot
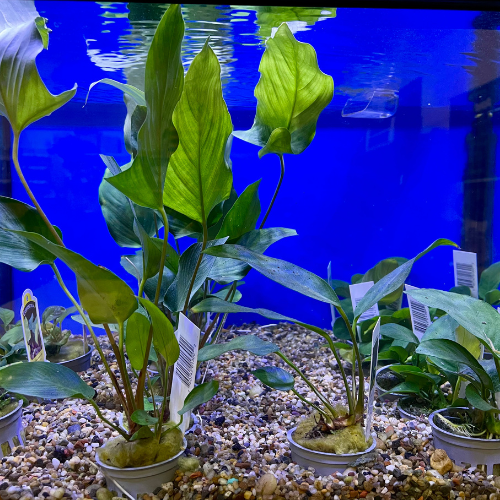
11,430
134,481
380,391
323,463
481,453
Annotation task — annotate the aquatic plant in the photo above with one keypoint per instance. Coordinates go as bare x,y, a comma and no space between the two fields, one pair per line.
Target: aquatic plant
332,418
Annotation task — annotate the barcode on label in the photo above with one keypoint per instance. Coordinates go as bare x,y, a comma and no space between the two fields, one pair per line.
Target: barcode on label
184,366
465,275
419,317
373,311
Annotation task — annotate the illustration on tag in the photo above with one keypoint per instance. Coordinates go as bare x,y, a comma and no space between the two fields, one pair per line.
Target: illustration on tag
30,316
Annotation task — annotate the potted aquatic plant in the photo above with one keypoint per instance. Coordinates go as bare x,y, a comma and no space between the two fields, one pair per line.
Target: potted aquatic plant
468,429
334,435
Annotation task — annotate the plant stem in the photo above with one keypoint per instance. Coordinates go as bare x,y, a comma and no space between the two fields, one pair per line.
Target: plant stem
198,263
140,293
104,419
15,158
282,174
122,365
163,256
310,403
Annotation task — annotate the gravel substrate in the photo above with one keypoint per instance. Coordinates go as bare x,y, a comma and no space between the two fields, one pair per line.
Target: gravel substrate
240,442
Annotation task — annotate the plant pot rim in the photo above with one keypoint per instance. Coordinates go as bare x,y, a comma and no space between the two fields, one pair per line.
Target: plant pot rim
91,349
19,406
325,454
466,438
144,467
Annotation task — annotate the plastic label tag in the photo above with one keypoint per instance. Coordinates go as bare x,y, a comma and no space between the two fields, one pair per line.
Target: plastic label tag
358,291
420,317
30,320
188,336
373,371
465,270
329,277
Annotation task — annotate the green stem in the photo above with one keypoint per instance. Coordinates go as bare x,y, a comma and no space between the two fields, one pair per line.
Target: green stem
163,256
282,174
166,388
140,293
15,158
310,403
104,419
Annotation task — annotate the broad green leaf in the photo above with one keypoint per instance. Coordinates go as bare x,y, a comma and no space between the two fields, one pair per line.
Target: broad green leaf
105,297
199,395
462,289
143,433
275,377
492,297
136,94
24,98
44,380
6,315
151,253
491,370
451,351
136,116
143,182
381,269
142,417
15,250
249,343
164,340
395,352
406,388
468,341
284,273
118,211
152,283
398,332
476,400
179,225
291,93
198,177
136,339
13,336
112,326
394,280
476,316
243,215
443,328
259,240
176,295
490,279
341,288
222,294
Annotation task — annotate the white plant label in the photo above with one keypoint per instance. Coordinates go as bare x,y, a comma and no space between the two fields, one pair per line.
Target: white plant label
358,291
188,336
465,270
373,371
30,320
329,277
420,317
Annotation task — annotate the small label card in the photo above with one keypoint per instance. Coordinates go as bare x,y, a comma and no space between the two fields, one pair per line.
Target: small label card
373,371
329,277
188,336
420,317
465,270
358,291
30,320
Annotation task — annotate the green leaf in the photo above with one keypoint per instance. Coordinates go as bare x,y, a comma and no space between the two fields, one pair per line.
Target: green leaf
341,288
6,315
449,350
175,297
226,271
16,251
221,294
468,341
179,225
199,395
198,177
476,316
112,326
136,116
136,94
105,297
492,297
136,339
142,417
143,182
119,213
13,336
490,279
291,93
24,98
443,328
398,332
249,343
394,280
143,433
164,340
275,377
151,253
243,215
44,380
381,269
476,400
152,283
406,387
284,273
462,289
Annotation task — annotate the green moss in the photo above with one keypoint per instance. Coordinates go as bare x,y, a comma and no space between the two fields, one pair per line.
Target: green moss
347,440
8,408
120,453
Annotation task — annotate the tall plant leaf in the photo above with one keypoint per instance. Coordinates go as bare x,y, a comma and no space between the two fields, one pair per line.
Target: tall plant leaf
284,273
15,250
381,269
250,343
394,280
151,253
143,182
198,177
105,297
199,395
136,339
136,94
24,98
490,279
275,377
291,93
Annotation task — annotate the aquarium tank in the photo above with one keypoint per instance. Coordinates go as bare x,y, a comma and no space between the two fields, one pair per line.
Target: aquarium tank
249,251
